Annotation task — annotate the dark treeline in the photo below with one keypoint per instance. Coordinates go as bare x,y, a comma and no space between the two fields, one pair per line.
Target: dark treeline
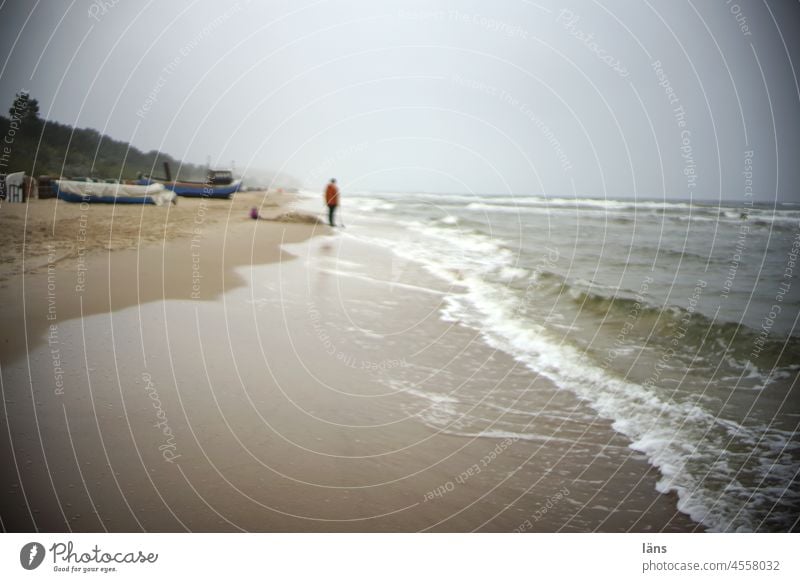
38,147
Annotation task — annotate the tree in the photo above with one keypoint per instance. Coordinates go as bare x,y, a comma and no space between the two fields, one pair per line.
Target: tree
24,108
58,149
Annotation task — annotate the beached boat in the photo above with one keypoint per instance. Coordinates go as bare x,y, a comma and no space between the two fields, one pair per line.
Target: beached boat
203,189
72,191
218,184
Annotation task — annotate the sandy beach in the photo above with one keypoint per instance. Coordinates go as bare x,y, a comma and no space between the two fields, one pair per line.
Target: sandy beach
108,257
332,275
187,368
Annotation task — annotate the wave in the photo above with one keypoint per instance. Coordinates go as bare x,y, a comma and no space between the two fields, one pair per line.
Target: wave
681,255
712,207
784,213
721,470
630,214
700,334
681,439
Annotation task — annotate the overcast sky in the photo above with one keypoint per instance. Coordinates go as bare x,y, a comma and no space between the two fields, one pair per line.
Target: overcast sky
438,96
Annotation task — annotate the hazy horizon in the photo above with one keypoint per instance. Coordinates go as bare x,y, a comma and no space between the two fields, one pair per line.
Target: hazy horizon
653,101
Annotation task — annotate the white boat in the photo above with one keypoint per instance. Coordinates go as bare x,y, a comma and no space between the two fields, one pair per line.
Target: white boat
72,191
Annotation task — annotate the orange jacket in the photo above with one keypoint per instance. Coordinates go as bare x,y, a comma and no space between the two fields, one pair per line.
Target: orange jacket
332,195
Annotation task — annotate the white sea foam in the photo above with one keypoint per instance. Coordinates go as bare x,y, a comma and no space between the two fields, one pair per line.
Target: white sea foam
678,438
681,439
449,219
615,209
784,211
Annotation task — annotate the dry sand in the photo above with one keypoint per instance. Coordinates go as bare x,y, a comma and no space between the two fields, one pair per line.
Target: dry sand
77,228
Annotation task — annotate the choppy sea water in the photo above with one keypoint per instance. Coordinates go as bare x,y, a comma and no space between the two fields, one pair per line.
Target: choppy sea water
677,321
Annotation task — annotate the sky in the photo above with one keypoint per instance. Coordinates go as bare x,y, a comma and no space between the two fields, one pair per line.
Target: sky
653,100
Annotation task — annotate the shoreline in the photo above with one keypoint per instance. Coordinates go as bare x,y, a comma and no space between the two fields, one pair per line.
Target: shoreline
233,413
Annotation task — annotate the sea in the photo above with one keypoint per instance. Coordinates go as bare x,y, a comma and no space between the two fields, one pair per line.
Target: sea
677,321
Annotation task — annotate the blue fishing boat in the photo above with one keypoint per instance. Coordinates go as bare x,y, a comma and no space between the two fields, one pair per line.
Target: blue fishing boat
218,184
204,189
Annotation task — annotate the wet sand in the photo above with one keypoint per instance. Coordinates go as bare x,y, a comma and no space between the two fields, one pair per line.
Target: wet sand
244,381
83,259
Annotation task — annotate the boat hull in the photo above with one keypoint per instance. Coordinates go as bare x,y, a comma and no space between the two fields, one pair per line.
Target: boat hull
70,197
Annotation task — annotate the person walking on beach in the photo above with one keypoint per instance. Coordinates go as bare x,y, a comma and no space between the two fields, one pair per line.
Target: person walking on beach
332,199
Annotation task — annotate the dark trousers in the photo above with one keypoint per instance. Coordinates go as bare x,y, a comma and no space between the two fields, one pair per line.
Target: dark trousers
331,211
